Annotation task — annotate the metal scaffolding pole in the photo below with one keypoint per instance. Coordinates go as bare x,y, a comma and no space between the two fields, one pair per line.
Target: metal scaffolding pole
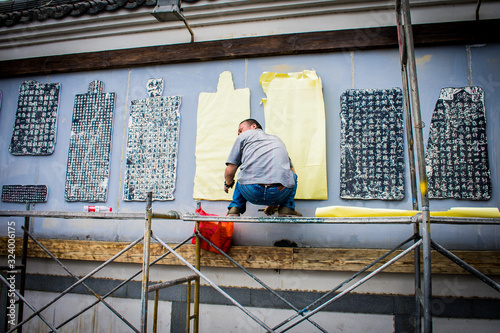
259,281
411,154
308,308
351,278
145,264
466,266
303,220
156,289
77,283
24,262
216,287
408,64
197,265
305,313
101,299
111,292
3,280
354,286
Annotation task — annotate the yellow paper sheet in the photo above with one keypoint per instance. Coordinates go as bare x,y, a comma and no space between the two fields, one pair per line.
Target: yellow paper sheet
219,115
295,112
469,212
350,211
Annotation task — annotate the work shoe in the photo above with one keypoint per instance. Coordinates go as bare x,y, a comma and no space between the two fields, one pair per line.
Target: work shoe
233,211
287,212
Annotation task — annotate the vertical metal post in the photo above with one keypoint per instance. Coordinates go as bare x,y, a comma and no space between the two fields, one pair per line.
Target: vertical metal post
197,265
145,264
409,139
155,320
419,141
188,311
411,157
408,122
426,235
418,282
24,261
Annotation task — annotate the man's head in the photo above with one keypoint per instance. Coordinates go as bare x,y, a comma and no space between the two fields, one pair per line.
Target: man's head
248,124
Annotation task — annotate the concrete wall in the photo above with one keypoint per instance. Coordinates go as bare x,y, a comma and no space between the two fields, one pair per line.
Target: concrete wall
384,304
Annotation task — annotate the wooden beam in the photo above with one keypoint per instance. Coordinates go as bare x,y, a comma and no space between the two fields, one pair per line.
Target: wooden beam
468,32
258,257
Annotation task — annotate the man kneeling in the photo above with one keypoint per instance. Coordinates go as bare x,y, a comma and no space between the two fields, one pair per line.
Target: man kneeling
266,177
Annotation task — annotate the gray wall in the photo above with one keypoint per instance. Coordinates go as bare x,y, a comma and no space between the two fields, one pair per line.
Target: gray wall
438,67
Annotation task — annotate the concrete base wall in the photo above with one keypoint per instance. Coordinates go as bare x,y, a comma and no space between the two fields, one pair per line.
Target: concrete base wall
383,304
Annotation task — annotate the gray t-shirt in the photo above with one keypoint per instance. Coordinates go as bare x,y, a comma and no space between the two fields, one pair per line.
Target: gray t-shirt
262,158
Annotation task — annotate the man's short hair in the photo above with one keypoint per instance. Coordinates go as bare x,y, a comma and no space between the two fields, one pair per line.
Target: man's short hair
251,121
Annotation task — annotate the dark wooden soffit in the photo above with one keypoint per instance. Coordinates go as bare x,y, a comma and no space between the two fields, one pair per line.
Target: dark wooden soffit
467,32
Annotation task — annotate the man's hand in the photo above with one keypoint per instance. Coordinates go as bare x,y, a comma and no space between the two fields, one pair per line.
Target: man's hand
229,174
226,188
270,210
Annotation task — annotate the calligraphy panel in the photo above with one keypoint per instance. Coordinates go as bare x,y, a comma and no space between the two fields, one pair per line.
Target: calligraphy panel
24,193
457,148
372,151
152,146
87,171
36,119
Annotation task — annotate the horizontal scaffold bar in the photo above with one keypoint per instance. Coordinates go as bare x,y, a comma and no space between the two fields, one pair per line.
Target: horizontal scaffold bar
171,283
304,220
345,220
290,220
464,220
84,215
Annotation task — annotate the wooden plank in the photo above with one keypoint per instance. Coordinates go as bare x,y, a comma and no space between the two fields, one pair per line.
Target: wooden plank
347,260
487,262
259,257
249,257
467,32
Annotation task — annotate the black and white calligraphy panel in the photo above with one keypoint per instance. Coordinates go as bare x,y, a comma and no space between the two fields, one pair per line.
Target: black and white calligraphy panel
372,151
24,193
457,148
36,119
87,171
153,138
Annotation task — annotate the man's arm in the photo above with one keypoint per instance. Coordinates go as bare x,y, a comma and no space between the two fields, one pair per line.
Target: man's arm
229,174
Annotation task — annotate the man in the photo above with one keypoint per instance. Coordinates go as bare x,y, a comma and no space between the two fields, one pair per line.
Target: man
266,177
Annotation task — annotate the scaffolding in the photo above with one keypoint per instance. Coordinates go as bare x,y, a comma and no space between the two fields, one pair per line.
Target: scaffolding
413,243
419,242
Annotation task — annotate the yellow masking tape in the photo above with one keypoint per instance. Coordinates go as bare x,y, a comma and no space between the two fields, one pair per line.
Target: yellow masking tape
470,212
348,211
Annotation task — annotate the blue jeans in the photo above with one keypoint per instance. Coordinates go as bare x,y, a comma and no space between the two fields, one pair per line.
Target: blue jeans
261,195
